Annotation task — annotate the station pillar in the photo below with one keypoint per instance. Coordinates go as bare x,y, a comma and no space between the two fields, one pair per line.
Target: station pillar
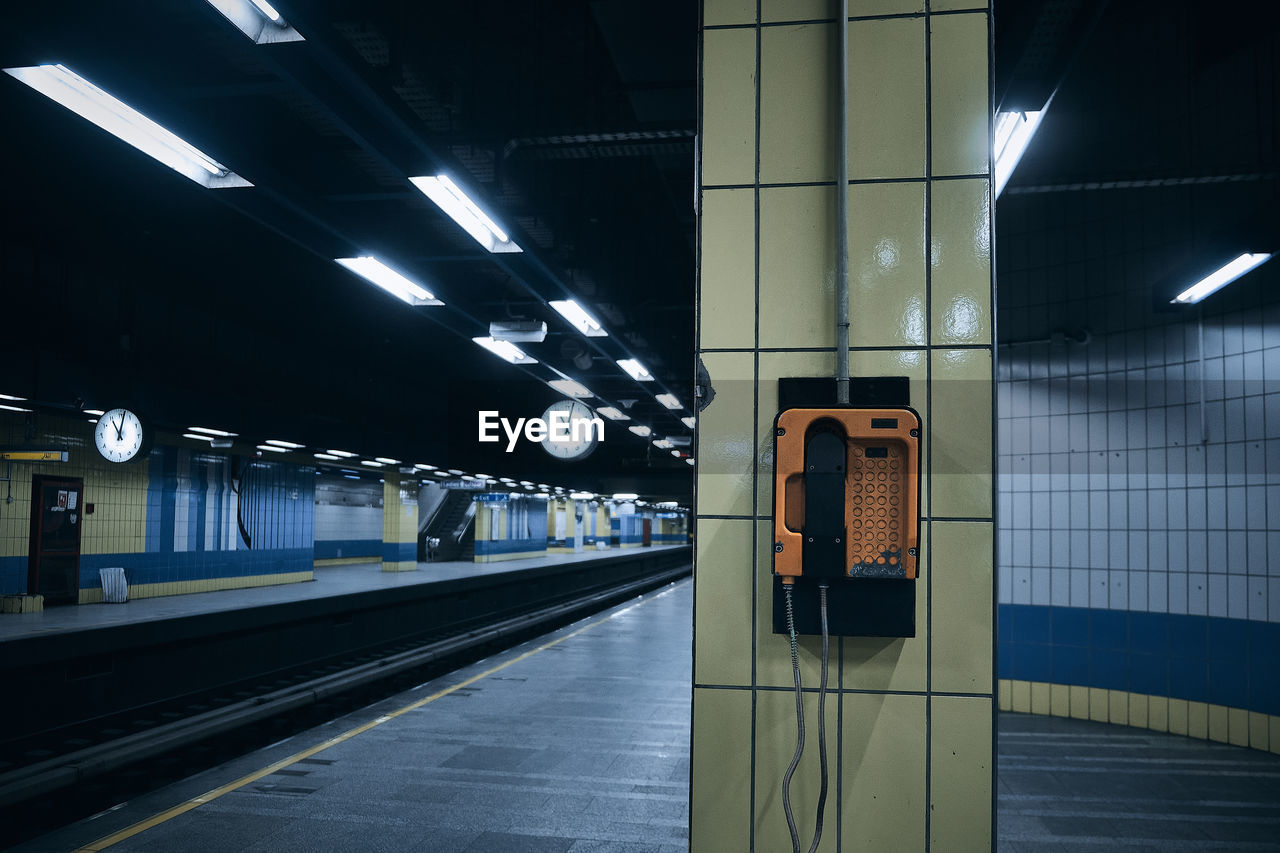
909,720
399,526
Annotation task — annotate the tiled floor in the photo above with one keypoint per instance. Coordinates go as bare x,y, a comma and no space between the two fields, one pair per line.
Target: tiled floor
1073,785
578,746
329,581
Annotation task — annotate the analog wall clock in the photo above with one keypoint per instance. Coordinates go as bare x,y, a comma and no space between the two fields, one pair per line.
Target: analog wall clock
119,435
579,443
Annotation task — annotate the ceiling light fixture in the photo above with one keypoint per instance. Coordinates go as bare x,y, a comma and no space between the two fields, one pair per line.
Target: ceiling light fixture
258,20
579,318
288,445
450,198
97,413
570,388
422,466
669,400
328,457
582,496
613,414
690,422
635,369
86,100
689,460
267,9
663,443
455,472
1221,277
1013,134
194,437
20,399
377,273
343,453
273,448
386,460
625,496
371,463
218,432
505,350
642,431
14,408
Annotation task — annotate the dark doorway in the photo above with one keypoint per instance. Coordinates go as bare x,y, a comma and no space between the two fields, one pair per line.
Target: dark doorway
646,536
53,565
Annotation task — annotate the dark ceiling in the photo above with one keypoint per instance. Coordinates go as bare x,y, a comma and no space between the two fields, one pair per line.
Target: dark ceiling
573,121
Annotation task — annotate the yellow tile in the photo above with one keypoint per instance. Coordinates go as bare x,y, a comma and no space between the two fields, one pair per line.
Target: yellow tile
1022,697
961,262
720,804
727,302
797,267
725,437
886,265
772,11
1118,707
1060,700
1218,723
773,651
1138,711
728,107
797,103
960,429
1041,701
1099,704
962,618
886,99
961,773
719,12
722,601
1258,734
1238,726
899,663
1198,720
961,121
1158,713
882,772
1179,716
1004,694
775,744
1273,737
951,5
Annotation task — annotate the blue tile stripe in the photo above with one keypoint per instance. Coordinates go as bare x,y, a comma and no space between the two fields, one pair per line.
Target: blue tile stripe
333,549
486,547
399,552
194,565
1198,658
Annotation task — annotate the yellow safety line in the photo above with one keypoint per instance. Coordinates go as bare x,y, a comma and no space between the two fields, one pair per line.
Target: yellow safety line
209,796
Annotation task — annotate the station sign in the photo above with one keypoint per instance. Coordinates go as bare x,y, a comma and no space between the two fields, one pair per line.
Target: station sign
492,498
463,485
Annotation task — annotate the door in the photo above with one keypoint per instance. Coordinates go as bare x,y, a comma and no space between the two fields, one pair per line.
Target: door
53,558
646,532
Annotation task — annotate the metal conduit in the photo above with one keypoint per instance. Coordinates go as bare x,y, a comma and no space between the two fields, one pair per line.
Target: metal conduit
842,211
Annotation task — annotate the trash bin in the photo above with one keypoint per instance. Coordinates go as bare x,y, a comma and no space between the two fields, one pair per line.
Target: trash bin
115,589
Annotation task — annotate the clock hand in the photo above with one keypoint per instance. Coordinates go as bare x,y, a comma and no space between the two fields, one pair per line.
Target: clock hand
119,429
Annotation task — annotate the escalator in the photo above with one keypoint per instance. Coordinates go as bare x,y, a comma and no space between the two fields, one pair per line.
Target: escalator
453,524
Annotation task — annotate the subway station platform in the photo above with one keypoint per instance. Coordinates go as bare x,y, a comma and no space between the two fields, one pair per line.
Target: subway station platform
331,582
576,741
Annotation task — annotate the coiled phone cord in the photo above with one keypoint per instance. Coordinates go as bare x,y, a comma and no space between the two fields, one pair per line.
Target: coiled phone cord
822,724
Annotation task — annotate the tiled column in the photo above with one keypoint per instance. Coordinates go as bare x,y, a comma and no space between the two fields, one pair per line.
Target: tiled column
909,720
399,526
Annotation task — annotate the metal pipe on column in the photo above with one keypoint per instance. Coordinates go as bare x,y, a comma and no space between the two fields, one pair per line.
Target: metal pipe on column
842,211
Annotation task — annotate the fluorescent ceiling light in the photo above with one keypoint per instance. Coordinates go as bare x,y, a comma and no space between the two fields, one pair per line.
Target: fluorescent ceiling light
570,388
455,472
218,432
14,408
663,443
1013,134
97,413
93,420
635,369
580,319
273,448
505,350
83,98
422,466
450,198
582,496
676,453
670,401
343,453
371,463
386,460
327,456
640,430
351,476
377,273
689,422
258,20
20,399
440,473
193,436
484,476
689,461
625,496
286,444
543,495
613,414
1221,277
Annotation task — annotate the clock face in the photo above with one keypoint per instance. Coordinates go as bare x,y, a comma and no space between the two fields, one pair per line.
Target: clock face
118,435
573,447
